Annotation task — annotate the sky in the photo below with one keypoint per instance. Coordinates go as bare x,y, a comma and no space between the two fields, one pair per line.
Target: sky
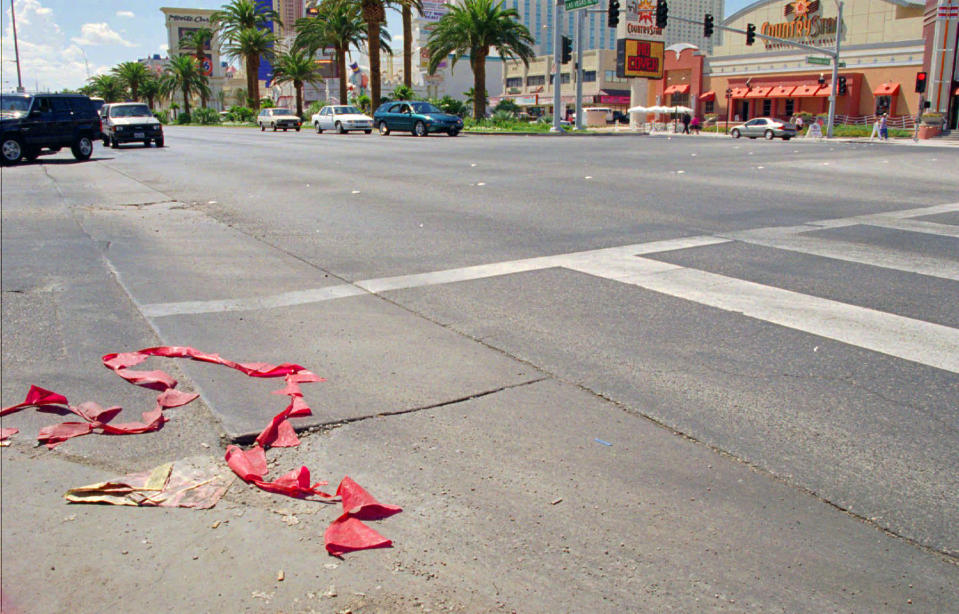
63,42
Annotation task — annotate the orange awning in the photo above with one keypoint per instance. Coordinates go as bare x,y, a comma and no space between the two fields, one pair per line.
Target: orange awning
708,96
824,91
805,91
676,89
886,89
739,92
956,93
759,92
782,91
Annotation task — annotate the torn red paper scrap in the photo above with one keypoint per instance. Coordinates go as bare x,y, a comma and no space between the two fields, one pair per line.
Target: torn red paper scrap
279,432
359,503
37,397
250,464
6,433
175,398
196,482
347,534
296,483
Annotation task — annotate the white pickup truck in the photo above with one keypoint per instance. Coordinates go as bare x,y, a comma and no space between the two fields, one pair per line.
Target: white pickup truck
342,118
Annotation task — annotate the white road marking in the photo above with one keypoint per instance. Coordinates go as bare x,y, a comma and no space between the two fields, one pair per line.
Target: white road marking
907,338
922,342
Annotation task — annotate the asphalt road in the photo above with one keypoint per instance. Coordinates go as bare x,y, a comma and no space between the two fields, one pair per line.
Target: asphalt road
766,333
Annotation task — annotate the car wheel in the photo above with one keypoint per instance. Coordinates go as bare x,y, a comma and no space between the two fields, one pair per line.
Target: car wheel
114,143
735,134
297,128
159,142
786,138
384,129
83,148
262,127
318,129
146,142
453,131
419,129
367,131
273,126
11,150
339,128
770,135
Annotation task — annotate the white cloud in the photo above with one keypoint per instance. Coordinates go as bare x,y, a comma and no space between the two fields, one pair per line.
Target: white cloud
100,34
47,58
127,14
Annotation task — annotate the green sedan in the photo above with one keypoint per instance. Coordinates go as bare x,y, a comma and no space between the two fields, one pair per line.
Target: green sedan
420,118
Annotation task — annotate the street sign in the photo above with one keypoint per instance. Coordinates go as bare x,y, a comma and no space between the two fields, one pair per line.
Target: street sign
812,59
575,5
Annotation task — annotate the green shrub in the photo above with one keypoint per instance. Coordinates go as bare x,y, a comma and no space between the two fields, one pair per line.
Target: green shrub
313,109
206,116
266,103
364,103
401,92
163,116
932,119
451,105
183,118
241,114
500,118
508,105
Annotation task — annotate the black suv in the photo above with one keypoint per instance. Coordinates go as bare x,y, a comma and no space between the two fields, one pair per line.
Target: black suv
43,123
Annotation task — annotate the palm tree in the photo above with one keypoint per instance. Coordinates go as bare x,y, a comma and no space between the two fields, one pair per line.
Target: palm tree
472,28
197,42
132,75
108,87
407,14
184,74
374,14
241,25
297,67
150,89
339,25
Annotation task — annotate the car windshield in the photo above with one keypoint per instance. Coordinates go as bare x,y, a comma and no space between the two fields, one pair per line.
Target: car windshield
133,110
282,112
15,104
346,110
424,107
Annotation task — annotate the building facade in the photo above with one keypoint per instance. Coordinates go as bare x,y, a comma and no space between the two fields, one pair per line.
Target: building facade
180,23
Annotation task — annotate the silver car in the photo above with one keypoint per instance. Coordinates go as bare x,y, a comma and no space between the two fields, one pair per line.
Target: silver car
765,127
278,118
342,118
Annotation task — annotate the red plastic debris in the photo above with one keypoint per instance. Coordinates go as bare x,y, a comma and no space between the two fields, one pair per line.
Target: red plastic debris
347,534
361,504
6,433
36,397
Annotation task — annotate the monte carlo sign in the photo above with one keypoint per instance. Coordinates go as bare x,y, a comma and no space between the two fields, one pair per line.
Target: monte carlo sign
803,23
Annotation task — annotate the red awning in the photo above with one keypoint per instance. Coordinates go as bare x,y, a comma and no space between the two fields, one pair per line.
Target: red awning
708,96
782,91
886,89
824,91
805,91
676,89
759,92
739,92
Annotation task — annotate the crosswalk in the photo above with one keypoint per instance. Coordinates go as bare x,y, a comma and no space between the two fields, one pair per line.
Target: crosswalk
922,342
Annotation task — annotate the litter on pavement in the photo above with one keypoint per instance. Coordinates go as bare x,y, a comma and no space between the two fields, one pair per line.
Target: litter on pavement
196,482
187,484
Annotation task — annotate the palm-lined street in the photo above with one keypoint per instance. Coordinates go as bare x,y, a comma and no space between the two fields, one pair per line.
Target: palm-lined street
606,373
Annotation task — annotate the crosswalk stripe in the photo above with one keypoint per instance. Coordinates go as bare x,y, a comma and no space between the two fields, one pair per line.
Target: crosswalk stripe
921,342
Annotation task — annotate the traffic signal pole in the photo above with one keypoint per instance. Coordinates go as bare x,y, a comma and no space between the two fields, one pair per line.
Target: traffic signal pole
579,70
557,82
835,74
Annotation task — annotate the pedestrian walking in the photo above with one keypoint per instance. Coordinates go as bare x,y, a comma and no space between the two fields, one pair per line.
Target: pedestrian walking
798,123
686,120
695,125
875,129
884,127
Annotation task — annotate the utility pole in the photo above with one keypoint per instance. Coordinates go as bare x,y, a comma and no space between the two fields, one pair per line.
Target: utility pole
835,74
579,69
557,82
16,47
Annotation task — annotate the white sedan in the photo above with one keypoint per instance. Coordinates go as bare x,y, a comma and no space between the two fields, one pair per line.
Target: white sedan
342,118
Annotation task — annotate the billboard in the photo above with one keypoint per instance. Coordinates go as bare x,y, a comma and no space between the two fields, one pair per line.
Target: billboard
434,10
266,69
636,58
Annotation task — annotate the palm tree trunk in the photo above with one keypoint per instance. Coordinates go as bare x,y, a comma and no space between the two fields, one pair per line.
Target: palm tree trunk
374,46
407,44
341,70
479,84
252,80
186,100
298,86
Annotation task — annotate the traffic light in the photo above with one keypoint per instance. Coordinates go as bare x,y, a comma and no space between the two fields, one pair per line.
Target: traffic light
841,86
612,14
662,12
707,25
567,50
750,34
920,82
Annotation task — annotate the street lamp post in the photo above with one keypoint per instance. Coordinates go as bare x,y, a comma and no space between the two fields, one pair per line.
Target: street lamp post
729,97
16,46
833,90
